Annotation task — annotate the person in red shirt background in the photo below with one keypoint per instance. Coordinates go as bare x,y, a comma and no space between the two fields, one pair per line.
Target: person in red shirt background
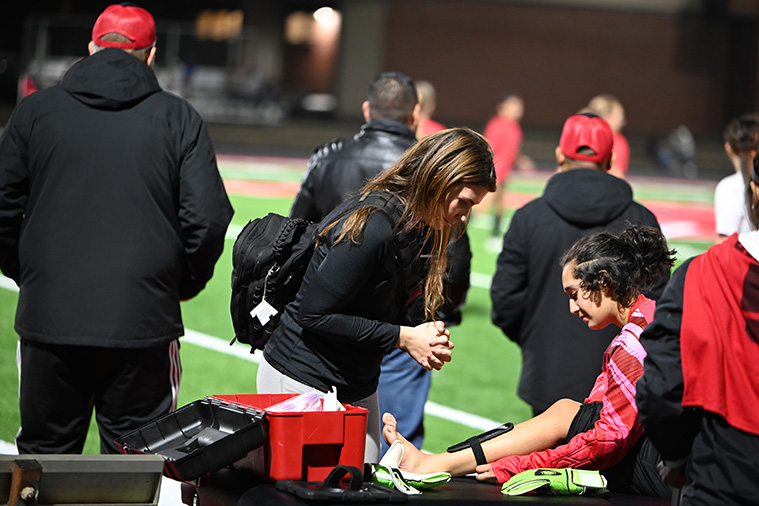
610,108
504,133
427,102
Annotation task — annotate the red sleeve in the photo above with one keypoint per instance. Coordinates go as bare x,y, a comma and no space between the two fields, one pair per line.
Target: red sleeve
621,154
505,137
613,435
429,126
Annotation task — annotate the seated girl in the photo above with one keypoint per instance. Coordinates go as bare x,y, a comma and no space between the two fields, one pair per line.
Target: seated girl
603,275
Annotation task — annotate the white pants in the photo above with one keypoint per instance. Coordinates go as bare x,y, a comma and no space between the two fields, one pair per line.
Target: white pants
271,381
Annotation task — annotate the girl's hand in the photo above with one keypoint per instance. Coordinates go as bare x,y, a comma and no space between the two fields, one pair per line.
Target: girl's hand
485,473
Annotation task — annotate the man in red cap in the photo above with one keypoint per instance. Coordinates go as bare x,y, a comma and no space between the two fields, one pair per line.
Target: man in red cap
527,303
112,210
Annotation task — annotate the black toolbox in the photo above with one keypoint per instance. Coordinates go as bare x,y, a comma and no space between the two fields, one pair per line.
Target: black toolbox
199,438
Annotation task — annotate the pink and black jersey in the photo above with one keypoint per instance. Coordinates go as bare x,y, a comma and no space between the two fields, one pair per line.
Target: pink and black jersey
618,428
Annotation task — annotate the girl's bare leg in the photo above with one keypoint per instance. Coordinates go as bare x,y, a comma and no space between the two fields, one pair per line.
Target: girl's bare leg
544,431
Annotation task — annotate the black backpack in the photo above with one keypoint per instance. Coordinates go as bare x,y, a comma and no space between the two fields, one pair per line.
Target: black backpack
270,257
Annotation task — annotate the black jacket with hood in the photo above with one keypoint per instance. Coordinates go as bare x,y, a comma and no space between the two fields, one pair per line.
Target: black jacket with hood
561,356
112,208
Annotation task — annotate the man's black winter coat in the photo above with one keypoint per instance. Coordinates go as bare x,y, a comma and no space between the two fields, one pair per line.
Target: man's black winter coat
561,356
112,208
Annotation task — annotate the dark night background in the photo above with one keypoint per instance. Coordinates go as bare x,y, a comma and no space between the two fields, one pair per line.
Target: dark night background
670,62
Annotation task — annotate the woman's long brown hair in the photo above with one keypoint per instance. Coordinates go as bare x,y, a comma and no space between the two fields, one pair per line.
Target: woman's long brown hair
423,178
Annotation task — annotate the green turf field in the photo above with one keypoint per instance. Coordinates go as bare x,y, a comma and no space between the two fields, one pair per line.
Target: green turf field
480,380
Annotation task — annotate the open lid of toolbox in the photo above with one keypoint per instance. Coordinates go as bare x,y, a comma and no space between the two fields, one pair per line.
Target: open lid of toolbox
199,438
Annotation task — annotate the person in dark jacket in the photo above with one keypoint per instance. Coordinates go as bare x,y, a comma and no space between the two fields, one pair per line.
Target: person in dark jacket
699,391
350,309
560,355
112,210
337,170
341,167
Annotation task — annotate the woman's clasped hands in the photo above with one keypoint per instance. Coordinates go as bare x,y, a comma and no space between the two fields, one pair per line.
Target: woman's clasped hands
429,344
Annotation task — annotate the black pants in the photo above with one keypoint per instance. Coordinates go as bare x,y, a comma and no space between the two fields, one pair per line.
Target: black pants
636,473
722,469
60,385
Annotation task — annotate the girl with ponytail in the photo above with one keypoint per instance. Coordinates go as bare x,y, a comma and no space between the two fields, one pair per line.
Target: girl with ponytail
604,276
741,141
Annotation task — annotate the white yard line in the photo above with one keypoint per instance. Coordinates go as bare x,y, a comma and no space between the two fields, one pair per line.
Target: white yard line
8,284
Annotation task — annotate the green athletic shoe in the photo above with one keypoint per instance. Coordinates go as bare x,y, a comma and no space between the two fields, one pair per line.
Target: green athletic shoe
555,482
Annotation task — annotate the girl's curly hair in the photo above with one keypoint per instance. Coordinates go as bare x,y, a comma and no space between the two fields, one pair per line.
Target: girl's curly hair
624,264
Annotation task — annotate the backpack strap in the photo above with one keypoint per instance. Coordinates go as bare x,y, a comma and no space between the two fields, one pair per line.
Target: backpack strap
290,226
409,245
411,251
385,201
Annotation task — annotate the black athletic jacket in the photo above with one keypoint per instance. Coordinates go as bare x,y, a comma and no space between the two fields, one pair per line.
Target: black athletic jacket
561,356
347,314
340,168
111,206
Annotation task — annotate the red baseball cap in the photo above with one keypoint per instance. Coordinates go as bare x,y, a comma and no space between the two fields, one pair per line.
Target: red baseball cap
587,137
131,21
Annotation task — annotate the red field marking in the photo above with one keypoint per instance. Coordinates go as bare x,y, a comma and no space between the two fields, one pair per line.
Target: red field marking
517,200
262,188
678,220
684,221
253,159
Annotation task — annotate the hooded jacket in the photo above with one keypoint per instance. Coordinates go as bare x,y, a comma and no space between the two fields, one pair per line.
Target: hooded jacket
111,207
561,356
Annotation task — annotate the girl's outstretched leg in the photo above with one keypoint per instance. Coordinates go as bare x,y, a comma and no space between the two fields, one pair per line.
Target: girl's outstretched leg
544,431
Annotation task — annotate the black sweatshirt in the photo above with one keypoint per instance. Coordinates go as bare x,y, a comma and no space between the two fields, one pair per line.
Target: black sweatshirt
561,356
111,207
